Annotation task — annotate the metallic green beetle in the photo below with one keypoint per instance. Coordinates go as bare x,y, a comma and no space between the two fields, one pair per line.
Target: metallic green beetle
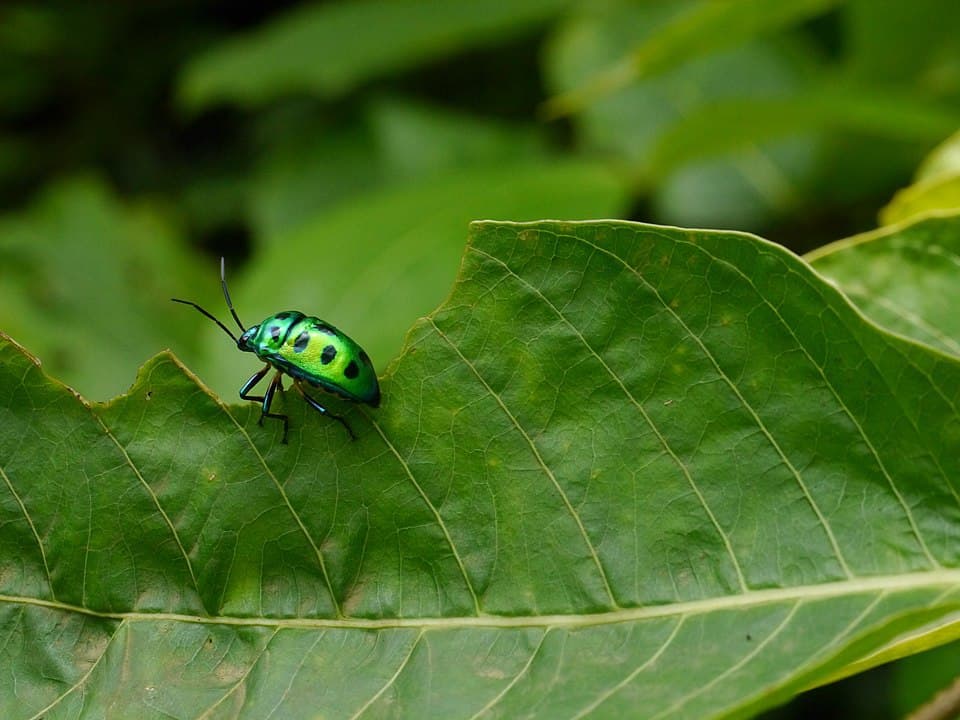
308,350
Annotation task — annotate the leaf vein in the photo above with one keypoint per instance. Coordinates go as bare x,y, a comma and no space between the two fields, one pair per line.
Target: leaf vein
153,496
656,430
633,674
286,501
392,679
514,680
944,580
736,666
743,401
293,677
242,679
543,465
121,626
852,625
836,395
33,529
436,514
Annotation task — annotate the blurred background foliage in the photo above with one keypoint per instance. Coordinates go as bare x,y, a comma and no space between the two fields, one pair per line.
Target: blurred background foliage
335,152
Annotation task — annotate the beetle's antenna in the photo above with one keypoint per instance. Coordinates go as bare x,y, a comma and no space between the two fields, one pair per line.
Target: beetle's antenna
226,294
224,327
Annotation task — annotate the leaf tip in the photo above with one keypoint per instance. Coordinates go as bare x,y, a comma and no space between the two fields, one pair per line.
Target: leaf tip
20,348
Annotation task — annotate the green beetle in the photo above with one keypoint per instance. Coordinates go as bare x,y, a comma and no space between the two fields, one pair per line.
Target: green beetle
307,349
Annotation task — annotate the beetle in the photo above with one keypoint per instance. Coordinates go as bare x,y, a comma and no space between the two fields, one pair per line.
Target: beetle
307,349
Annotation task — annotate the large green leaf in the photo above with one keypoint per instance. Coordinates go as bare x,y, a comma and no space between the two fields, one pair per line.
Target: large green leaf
624,470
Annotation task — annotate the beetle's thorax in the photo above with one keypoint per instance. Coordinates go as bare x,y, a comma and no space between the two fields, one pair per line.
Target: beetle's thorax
267,338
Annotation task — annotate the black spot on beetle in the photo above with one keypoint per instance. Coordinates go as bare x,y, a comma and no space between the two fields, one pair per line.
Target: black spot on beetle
351,370
321,326
275,332
303,339
328,354
285,315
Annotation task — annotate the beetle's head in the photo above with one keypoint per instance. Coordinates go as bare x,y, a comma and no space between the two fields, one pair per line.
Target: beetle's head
245,342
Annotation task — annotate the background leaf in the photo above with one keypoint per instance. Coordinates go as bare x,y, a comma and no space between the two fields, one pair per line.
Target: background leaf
329,48
398,142
717,128
904,278
85,280
926,52
920,677
623,467
690,30
739,190
937,185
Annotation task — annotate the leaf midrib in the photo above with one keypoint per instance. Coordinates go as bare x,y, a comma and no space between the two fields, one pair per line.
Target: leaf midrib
947,579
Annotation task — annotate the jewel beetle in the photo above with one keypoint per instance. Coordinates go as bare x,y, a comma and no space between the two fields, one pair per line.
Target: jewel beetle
307,349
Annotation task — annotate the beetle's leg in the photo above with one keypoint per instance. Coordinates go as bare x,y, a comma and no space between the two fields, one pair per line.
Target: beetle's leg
249,384
268,400
321,409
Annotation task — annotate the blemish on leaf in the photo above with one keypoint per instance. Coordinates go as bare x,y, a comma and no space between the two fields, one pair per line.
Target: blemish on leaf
230,672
